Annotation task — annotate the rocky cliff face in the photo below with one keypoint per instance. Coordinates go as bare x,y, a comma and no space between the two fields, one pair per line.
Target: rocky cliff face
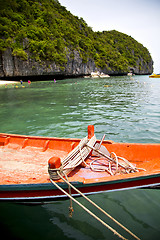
12,66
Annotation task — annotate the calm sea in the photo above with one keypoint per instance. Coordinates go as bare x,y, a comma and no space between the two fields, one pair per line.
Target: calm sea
126,109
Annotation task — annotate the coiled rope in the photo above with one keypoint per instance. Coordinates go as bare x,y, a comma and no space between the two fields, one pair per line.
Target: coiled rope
75,158
121,164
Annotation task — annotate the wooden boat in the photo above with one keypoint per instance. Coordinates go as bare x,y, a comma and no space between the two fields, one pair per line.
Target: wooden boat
155,75
24,168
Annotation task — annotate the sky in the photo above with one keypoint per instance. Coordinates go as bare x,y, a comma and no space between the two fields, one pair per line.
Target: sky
138,18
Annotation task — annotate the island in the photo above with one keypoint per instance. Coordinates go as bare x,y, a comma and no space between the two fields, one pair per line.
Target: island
42,38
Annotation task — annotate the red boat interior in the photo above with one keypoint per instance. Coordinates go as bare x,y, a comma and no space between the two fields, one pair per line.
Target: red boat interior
24,159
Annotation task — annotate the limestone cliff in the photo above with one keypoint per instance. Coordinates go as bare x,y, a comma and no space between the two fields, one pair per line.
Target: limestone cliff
13,66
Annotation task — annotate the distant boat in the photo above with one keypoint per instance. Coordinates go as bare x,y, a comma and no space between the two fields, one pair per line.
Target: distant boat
155,75
95,74
130,74
99,75
102,75
24,161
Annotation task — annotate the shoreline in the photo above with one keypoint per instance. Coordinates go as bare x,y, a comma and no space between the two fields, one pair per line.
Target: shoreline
4,82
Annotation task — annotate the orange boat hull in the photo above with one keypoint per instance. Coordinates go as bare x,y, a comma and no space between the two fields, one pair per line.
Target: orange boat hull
24,168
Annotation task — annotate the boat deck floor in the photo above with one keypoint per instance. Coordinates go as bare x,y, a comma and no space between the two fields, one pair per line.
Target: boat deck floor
25,165
29,165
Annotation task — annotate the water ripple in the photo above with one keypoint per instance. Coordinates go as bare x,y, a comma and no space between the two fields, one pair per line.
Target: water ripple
126,111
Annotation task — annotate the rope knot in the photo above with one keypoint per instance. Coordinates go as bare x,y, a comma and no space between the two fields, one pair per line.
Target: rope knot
71,210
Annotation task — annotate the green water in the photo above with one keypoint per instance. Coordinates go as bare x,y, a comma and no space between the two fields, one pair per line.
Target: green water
125,109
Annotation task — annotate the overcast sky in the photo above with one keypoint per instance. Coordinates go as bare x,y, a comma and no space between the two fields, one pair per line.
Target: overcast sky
137,18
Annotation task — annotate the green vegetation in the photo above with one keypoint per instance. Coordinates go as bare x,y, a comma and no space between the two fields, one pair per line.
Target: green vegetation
45,31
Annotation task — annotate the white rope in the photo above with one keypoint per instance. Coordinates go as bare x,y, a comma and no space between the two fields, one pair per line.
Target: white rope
126,166
88,211
75,158
78,154
95,205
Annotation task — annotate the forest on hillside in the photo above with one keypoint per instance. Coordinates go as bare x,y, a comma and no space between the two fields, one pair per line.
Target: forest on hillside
45,31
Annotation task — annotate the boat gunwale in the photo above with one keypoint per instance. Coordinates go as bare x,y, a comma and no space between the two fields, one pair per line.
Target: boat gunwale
45,198
5,135
50,186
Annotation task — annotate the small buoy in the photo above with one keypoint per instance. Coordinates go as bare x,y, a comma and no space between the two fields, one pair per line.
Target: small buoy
54,162
107,85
